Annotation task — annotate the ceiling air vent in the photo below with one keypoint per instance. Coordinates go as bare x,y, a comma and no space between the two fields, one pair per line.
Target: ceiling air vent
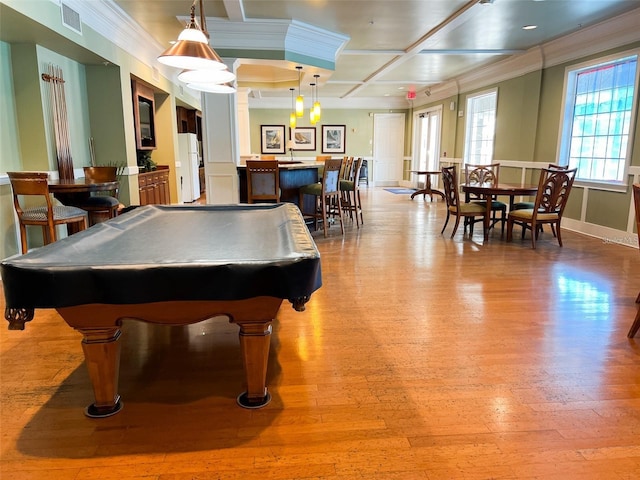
71,18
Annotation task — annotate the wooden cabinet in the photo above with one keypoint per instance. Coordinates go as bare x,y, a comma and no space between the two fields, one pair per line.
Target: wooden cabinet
144,115
154,186
189,121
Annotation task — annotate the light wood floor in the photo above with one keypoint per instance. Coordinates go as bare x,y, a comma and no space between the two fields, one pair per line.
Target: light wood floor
421,357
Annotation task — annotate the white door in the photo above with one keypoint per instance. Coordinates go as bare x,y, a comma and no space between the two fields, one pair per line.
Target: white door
388,148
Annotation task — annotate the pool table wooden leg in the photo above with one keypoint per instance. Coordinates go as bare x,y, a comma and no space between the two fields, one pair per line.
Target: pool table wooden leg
255,340
102,356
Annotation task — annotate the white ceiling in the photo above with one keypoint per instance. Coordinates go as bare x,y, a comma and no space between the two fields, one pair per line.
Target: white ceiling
392,46
382,49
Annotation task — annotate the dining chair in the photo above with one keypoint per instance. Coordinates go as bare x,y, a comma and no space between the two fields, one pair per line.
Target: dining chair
350,188
263,181
489,174
24,184
101,206
525,205
327,196
455,206
554,187
636,200
323,158
267,157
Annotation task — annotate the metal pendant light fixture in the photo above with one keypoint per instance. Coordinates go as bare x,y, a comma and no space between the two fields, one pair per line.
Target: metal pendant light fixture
299,98
192,50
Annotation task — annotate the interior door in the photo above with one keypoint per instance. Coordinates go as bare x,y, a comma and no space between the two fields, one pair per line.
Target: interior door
388,148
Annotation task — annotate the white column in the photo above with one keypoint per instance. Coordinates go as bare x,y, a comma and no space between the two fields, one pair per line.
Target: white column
244,126
221,148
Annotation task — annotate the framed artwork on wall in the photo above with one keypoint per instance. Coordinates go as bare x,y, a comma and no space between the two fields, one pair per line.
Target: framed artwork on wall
333,138
272,139
304,138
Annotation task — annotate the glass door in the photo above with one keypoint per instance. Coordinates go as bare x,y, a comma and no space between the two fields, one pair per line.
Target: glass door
428,140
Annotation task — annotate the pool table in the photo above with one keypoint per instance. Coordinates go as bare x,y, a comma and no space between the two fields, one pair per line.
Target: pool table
171,265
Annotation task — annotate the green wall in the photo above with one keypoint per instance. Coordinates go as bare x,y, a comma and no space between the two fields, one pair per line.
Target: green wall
359,129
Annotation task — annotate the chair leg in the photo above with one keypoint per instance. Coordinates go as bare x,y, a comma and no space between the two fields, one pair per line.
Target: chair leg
445,222
455,227
635,326
557,230
359,206
23,239
534,235
509,229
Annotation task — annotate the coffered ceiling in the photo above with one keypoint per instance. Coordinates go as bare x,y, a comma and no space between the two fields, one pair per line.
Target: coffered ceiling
386,47
364,50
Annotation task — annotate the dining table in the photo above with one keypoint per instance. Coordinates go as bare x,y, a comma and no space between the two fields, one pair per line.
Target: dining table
75,191
428,189
488,191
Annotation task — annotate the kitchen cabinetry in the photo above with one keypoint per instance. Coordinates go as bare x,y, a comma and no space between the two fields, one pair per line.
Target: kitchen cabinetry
154,186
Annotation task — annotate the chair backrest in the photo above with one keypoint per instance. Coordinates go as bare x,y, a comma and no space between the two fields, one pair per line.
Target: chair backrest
636,199
331,177
102,174
323,158
30,183
553,190
555,166
479,174
267,157
347,168
263,180
355,171
450,184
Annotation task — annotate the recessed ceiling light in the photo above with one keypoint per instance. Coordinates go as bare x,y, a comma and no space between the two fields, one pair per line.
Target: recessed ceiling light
529,27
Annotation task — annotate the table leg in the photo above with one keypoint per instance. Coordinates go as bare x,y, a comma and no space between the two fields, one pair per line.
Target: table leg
427,190
102,356
255,339
487,218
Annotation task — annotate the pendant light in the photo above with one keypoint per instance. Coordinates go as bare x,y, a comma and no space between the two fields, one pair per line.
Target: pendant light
192,50
292,115
299,99
312,113
316,105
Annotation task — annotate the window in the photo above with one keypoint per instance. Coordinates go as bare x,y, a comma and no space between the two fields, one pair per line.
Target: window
480,128
596,131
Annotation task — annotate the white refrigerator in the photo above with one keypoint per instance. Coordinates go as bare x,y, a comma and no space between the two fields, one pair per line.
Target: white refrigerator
189,179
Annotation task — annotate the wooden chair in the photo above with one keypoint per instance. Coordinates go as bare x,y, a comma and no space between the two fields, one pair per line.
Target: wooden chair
323,158
350,188
479,174
455,206
328,196
101,205
47,216
525,205
267,157
263,181
636,199
553,192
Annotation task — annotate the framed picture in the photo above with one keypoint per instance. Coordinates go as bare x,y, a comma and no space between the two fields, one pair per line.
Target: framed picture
333,138
272,139
304,138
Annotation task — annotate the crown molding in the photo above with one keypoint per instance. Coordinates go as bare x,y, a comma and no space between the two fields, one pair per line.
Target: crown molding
615,32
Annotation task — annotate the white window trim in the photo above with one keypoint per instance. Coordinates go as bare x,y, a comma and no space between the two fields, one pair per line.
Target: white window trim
465,158
563,143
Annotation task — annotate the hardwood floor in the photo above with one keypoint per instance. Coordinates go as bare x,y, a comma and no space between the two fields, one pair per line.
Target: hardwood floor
421,357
